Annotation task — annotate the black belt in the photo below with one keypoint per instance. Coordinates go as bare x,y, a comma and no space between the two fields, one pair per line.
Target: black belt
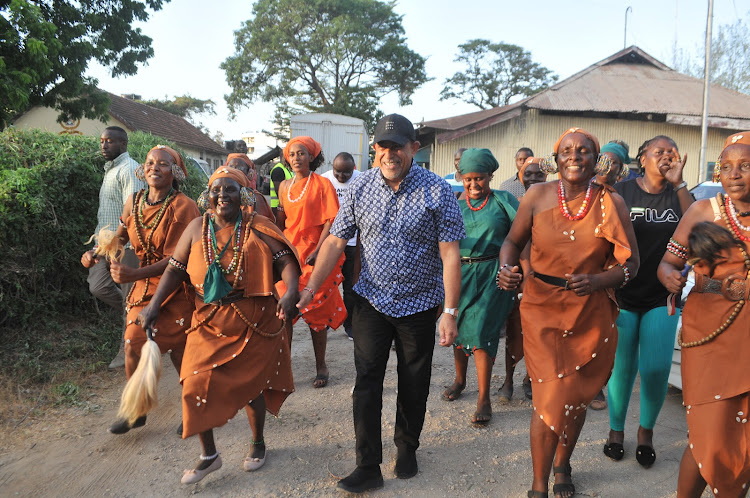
229,298
480,259
559,282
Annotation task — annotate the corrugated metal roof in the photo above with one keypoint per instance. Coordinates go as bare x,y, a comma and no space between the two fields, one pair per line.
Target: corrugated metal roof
630,81
142,117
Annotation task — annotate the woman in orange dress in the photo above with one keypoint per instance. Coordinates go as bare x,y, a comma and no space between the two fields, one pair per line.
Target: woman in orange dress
237,353
582,247
308,204
714,335
153,220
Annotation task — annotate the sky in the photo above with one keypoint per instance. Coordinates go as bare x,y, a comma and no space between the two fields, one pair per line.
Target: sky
191,38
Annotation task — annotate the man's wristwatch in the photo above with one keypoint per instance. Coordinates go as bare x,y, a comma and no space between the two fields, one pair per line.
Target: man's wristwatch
451,311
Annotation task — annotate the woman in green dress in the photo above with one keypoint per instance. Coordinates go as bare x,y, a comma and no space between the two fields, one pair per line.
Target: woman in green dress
482,308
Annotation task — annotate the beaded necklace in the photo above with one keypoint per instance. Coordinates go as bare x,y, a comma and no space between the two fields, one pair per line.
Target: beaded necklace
468,203
143,200
159,201
150,254
734,223
304,190
563,204
211,250
737,307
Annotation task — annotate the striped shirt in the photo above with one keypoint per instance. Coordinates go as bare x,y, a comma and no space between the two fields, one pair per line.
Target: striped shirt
119,182
514,186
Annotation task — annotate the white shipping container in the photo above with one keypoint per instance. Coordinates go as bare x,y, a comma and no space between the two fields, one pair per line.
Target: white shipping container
336,134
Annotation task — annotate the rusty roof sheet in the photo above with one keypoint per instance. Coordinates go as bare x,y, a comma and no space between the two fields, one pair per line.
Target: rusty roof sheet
142,117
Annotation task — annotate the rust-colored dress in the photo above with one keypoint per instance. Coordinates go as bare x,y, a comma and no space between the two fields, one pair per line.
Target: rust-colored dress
570,340
304,225
236,351
716,383
174,317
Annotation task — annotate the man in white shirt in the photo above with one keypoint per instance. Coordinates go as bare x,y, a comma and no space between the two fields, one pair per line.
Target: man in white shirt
341,176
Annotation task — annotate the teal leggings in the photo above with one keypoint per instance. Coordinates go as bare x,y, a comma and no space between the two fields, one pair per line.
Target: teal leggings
644,344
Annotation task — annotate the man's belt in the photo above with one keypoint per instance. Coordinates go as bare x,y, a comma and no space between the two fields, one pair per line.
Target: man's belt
559,282
229,298
734,288
480,259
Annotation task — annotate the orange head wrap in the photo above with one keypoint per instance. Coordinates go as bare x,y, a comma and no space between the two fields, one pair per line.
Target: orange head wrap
243,157
311,145
528,162
742,137
582,132
227,172
175,155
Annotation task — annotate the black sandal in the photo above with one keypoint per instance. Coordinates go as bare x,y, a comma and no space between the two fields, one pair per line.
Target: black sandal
645,455
564,487
537,494
615,451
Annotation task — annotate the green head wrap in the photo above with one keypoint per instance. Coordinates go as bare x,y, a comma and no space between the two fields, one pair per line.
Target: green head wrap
617,150
478,161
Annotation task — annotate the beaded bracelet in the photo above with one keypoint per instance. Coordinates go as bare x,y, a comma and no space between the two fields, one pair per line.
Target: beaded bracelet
122,224
312,292
281,254
497,277
677,249
626,272
177,264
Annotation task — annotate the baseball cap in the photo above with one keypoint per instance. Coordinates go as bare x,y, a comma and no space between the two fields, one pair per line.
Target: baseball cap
394,128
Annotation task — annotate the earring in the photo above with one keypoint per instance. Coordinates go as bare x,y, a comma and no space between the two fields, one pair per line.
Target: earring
623,172
202,201
603,165
548,164
140,173
178,174
247,197
717,171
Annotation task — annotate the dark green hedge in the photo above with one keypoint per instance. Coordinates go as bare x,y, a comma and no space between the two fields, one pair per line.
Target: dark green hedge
49,194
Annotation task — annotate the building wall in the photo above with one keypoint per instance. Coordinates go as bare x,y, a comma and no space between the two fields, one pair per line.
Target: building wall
45,118
540,132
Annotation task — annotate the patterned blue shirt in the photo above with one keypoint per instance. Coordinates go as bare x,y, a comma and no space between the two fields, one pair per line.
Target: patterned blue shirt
399,231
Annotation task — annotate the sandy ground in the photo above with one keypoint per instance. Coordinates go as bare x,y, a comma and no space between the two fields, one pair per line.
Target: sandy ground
70,453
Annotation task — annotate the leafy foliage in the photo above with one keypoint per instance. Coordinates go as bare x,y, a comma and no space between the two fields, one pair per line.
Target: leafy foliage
49,195
184,106
730,57
336,56
47,47
494,74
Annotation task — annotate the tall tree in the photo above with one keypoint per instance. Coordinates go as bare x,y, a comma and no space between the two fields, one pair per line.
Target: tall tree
495,73
47,46
338,56
730,57
184,106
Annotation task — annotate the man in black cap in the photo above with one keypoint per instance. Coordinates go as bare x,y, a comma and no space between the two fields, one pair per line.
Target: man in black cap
409,224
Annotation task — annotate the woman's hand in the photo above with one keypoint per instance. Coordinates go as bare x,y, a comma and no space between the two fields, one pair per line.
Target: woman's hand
582,284
509,278
286,307
674,174
310,260
147,317
122,274
674,282
89,259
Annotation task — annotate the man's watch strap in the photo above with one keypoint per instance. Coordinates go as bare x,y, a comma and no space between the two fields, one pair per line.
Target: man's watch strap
451,311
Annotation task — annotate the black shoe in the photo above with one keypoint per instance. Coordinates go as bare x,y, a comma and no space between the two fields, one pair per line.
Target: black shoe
645,455
615,451
179,430
406,464
527,388
361,480
122,426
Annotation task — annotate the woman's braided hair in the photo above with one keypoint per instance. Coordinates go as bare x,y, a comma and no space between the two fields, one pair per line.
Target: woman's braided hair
647,144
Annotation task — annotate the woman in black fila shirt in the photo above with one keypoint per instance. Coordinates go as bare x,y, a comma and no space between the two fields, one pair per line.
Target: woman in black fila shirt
646,332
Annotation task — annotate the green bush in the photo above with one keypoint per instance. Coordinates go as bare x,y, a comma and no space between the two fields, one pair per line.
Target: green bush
49,195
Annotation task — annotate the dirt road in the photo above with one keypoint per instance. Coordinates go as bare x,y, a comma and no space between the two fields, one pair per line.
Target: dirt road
70,453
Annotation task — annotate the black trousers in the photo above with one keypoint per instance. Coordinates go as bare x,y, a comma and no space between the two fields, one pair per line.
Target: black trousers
415,341
347,270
